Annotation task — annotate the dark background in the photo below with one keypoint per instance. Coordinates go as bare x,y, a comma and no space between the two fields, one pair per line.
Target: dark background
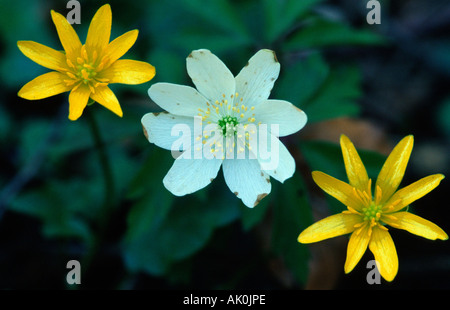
374,83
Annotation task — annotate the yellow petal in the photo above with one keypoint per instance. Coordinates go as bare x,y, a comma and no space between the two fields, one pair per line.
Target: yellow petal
126,71
78,100
46,85
383,248
392,172
43,55
412,192
99,30
67,35
121,45
105,96
416,225
329,227
338,189
356,172
357,246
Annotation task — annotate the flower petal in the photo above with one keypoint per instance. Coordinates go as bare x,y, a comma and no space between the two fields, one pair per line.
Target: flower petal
119,46
330,227
246,180
357,246
288,117
356,172
392,172
383,248
177,99
416,225
127,71
338,189
43,55
190,175
412,192
275,159
210,75
67,35
78,100
46,85
99,30
255,81
163,129
105,96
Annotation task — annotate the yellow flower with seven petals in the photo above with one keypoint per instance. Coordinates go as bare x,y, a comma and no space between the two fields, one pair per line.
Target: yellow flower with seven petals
85,70
366,216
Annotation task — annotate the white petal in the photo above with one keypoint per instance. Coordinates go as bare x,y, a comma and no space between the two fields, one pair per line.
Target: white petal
210,75
177,99
275,159
171,132
256,79
246,180
288,117
190,175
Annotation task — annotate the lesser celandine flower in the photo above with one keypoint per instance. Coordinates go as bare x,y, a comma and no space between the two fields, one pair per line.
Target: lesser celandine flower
222,115
367,215
87,69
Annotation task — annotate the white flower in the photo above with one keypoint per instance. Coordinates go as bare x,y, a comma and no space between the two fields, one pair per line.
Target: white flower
226,121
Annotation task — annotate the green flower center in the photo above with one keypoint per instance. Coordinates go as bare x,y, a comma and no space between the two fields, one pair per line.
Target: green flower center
228,125
86,73
373,211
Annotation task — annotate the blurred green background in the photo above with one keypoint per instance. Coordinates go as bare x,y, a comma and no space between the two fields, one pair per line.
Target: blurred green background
374,83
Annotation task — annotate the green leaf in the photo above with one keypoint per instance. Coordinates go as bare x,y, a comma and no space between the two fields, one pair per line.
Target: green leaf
324,156
291,215
219,13
163,230
302,79
216,42
337,96
15,68
173,66
61,206
323,92
151,173
320,33
252,216
281,15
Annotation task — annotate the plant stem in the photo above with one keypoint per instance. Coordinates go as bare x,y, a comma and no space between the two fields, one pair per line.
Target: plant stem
108,207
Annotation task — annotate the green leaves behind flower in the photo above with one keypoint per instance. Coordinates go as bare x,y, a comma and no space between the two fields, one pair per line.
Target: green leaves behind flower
61,216
326,93
163,229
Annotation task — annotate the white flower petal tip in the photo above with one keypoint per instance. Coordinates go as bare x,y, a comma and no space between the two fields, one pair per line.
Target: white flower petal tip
267,55
177,99
210,75
163,129
246,180
187,176
256,80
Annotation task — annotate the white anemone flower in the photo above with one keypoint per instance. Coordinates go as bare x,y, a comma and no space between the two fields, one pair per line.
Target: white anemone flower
226,121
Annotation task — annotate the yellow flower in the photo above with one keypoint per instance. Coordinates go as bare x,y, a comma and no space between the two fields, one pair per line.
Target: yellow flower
85,70
367,215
